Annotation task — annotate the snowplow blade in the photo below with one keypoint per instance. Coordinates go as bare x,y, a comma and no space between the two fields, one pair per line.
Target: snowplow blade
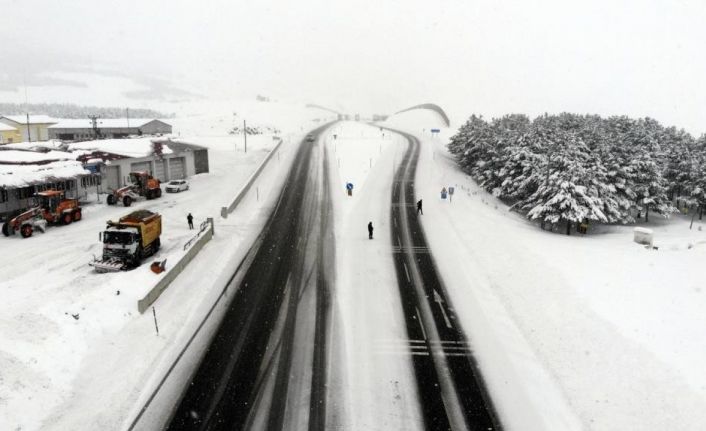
107,266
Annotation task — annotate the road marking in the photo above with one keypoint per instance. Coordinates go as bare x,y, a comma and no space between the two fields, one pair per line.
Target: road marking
439,300
413,250
421,325
407,273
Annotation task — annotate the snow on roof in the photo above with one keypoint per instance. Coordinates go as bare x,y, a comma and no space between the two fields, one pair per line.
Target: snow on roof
52,144
17,156
6,128
33,119
138,147
103,123
12,176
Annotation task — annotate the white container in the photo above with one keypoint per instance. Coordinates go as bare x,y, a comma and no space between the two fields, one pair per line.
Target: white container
643,235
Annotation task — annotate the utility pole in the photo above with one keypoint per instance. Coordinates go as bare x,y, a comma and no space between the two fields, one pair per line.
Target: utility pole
94,124
29,134
245,136
127,114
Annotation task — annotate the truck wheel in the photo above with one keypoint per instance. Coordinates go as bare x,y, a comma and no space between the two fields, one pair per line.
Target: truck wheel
111,200
155,247
26,231
77,215
6,229
158,193
127,201
66,218
149,195
138,257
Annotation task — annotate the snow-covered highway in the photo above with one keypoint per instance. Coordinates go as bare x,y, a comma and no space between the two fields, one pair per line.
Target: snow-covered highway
269,355
452,391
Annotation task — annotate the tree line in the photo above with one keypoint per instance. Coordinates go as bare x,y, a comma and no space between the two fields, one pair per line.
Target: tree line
68,110
575,169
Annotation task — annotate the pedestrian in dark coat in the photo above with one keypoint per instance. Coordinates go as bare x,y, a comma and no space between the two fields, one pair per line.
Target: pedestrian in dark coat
370,230
190,219
419,207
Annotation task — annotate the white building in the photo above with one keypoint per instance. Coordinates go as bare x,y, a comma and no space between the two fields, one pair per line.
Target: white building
162,158
24,173
106,128
87,168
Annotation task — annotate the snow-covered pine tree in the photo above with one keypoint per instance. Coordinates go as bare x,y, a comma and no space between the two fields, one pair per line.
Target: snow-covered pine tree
648,183
525,153
678,158
615,156
472,145
698,191
567,193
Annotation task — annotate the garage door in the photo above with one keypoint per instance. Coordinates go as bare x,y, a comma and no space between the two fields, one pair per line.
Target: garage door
177,169
141,166
112,177
159,171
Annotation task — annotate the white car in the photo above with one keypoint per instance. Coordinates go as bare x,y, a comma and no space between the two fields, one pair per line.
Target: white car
176,186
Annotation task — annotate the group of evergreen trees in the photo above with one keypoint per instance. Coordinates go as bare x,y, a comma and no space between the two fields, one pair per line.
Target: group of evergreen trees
574,169
68,110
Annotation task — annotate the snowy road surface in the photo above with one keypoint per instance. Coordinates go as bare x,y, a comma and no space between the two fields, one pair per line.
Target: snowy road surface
266,366
451,388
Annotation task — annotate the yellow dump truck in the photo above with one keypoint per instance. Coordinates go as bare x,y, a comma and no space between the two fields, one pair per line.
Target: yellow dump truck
129,240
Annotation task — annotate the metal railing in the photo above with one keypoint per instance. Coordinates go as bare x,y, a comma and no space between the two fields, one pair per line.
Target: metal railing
202,228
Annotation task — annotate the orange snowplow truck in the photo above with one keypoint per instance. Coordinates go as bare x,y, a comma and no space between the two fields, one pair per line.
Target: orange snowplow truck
142,184
53,207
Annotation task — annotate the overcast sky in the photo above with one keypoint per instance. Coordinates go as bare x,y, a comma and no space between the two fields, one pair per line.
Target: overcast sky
641,58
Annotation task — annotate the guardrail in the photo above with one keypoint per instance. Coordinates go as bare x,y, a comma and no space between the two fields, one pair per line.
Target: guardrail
199,240
234,203
202,228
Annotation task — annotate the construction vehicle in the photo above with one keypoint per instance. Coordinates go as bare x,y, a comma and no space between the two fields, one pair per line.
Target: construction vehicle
129,240
142,184
52,207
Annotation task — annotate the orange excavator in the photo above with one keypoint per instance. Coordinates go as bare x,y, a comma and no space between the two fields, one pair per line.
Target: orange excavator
141,184
53,208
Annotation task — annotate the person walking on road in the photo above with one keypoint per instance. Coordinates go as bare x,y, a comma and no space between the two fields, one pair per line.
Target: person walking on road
419,207
190,219
370,230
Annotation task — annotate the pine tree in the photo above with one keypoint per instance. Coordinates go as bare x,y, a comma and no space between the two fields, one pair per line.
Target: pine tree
568,193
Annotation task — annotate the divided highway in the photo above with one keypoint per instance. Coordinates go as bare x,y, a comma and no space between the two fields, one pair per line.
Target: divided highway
267,365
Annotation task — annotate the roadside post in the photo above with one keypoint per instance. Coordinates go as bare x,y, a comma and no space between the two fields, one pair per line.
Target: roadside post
349,187
451,193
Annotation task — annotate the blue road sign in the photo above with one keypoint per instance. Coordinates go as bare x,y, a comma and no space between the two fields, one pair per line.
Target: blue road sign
349,186
435,130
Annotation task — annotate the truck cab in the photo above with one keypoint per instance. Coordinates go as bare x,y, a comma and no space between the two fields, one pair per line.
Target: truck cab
129,240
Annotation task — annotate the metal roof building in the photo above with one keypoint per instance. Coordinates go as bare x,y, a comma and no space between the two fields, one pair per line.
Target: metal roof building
107,128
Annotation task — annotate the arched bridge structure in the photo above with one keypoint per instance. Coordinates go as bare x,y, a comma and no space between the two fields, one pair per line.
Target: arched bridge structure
430,106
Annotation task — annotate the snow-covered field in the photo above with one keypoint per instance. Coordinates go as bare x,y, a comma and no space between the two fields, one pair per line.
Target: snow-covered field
58,371
580,332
